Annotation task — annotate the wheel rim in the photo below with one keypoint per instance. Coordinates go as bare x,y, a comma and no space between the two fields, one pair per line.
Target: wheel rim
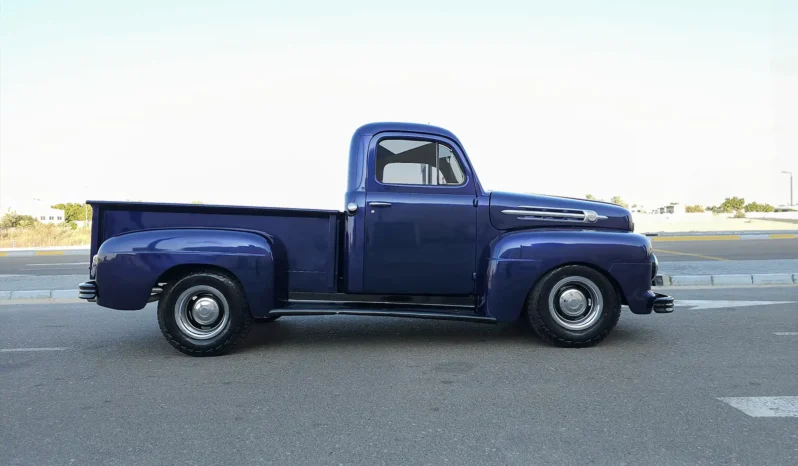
575,303
202,312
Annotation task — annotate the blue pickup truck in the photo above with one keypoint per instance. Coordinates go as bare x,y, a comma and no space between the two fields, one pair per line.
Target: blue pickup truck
418,237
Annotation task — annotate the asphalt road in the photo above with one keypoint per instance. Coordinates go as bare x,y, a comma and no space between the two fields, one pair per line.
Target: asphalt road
107,388
766,249
44,265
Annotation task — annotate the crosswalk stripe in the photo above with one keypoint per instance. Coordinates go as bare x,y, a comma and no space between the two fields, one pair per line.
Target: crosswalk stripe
764,406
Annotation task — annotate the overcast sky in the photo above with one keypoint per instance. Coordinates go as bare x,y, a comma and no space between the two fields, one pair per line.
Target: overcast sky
254,102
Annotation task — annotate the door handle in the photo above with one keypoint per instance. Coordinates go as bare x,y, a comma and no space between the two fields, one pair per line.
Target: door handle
380,204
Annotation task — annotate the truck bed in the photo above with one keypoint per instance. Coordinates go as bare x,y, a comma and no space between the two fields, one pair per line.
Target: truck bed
306,242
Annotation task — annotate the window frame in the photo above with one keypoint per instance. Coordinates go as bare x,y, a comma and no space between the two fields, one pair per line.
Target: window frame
373,184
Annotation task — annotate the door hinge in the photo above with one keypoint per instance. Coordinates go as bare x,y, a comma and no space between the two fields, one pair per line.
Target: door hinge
475,202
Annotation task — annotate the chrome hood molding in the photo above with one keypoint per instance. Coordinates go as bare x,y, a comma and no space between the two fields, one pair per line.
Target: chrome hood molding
519,211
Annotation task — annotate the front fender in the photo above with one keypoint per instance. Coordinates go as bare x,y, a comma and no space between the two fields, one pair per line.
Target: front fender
129,265
517,260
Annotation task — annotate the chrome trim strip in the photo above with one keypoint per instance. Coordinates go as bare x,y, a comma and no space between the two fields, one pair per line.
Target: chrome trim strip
538,213
543,213
376,303
384,313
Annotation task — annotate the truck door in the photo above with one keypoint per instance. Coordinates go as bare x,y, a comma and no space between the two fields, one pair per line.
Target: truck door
420,218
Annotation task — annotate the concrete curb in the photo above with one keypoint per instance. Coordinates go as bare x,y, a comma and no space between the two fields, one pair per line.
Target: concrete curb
755,279
38,294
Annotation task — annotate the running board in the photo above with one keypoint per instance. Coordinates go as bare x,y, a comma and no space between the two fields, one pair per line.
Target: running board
413,314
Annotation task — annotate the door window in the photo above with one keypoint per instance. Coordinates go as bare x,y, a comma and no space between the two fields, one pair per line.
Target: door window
413,162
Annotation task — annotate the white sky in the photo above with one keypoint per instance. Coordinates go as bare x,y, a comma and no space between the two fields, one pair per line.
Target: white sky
171,116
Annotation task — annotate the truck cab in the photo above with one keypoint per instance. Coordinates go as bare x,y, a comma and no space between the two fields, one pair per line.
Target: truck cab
418,236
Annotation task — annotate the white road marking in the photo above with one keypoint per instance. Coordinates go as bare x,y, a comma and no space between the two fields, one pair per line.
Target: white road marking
765,406
786,334
25,350
712,304
57,264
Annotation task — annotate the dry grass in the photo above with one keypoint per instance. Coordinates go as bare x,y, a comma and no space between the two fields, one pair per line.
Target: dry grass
43,236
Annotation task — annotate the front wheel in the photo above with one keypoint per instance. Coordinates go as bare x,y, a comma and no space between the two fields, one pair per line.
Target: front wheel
204,314
573,306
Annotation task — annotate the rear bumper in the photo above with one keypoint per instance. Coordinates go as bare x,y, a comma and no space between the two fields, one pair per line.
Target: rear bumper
88,291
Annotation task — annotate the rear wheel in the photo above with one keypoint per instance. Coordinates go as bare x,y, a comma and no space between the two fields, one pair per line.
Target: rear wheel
204,314
573,306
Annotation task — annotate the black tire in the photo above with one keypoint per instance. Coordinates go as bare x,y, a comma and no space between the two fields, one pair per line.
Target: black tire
567,324
178,319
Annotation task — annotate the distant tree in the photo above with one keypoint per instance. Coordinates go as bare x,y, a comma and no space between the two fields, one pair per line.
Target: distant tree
14,220
73,211
634,206
196,202
590,197
732,204
757,207
693,208
619,201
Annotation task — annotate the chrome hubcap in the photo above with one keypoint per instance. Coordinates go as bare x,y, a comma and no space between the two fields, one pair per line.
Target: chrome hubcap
576,303
205,311
202,312
573,302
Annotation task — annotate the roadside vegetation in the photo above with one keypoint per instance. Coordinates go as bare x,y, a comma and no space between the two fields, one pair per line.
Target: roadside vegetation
730,205
24,231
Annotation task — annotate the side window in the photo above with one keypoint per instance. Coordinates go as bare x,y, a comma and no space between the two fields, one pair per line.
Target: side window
412,162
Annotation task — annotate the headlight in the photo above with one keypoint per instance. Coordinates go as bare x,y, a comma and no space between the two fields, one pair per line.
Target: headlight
654,266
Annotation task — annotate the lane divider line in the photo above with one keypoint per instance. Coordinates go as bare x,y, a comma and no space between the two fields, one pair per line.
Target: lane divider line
700,256
724,237
25,350
786,334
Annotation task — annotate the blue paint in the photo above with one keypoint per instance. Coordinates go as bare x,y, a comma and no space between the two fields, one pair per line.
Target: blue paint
518,259
131,264
448,238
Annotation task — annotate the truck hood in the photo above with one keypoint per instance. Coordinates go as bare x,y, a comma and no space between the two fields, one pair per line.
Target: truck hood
509,211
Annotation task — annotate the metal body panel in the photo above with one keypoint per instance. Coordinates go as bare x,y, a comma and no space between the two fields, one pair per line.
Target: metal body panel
130,265
517,260
513,211
304,242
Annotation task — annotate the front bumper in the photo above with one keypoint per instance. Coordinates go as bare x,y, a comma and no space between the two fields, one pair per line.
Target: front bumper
663,304
88,291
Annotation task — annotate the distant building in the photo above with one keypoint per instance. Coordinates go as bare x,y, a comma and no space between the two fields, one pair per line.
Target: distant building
36,209
671,209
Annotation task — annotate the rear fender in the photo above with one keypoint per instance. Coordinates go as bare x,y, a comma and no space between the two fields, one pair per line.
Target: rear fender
519,259
131,264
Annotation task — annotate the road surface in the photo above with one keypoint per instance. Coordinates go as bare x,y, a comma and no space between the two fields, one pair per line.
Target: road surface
768,249
85,385
44,265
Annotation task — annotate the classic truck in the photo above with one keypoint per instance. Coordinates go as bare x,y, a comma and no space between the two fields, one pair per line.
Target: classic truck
418,237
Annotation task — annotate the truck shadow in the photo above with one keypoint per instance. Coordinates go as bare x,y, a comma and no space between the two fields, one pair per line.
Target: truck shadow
350,331
336,331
